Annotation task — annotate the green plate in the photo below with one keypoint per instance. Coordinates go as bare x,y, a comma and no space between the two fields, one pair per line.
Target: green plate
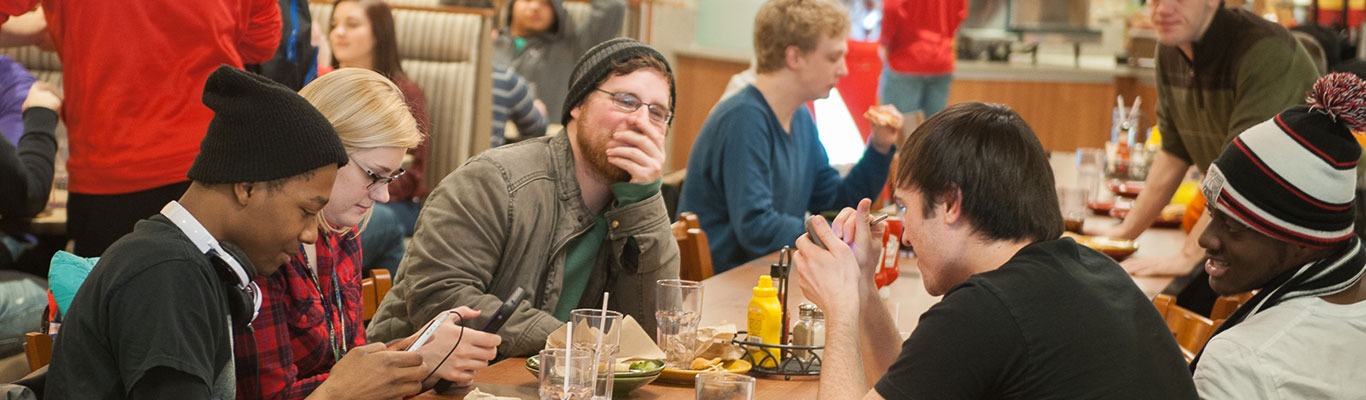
622,384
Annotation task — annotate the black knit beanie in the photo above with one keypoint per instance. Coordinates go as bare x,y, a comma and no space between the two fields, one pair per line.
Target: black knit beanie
261,131
594,66
1293,177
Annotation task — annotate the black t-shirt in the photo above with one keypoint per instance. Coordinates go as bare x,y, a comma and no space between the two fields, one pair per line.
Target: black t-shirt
153,300
1057,321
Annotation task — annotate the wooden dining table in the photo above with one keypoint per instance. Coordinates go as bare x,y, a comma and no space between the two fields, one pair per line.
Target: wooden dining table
725,299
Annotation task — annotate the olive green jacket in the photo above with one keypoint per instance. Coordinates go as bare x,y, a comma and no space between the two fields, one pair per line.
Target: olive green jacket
503,220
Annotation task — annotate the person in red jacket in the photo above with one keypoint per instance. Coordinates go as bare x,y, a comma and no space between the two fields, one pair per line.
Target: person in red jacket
917,42
133,73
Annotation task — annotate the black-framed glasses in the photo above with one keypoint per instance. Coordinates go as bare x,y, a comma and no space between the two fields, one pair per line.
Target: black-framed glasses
376,180
630,103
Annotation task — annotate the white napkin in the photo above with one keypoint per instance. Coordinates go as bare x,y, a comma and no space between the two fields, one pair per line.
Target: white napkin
478,395
635,343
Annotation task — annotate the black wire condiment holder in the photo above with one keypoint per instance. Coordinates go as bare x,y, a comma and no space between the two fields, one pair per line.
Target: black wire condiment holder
788,363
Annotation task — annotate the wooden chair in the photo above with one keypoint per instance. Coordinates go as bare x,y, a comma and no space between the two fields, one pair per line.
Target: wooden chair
1224,306
1191,329
38,349
694,252
372,292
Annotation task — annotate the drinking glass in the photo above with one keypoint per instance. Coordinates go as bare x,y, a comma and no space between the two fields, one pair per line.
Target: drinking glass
724,386
598,332
1090,168
566,374
1072,200
678,310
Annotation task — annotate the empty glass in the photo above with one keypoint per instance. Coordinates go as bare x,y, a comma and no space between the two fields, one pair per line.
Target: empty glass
724,386
678,310
1090,168
599,332
566,375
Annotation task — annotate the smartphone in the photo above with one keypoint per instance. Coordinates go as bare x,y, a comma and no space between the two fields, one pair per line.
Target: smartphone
431,329
494,323
811,232
504,311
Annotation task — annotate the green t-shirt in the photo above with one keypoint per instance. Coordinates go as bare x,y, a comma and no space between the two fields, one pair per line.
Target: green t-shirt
583,250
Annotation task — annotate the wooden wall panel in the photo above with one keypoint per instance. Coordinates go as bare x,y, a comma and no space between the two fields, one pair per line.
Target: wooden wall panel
1065,115
700,81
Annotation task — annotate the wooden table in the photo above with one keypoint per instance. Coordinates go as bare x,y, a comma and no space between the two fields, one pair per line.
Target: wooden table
726,297
508,378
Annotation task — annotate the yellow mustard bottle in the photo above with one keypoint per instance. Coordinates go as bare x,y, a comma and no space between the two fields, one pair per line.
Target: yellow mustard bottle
765,321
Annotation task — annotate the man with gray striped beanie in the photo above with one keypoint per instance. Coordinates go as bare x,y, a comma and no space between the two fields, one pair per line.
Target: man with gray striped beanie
1281,200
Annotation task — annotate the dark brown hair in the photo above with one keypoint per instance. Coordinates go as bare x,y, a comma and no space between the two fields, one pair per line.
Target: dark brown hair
988,153
386,40
627,66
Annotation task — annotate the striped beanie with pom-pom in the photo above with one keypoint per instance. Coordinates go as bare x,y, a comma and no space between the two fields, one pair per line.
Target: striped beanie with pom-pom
1293,177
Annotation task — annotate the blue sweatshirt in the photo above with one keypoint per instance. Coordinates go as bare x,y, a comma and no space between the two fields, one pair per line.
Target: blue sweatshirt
751,183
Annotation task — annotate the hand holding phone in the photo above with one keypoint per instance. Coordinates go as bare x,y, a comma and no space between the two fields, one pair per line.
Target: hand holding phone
811,232
494,323
431,329
504,311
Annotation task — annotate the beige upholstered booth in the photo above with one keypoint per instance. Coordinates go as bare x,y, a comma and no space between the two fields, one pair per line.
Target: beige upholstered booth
447,51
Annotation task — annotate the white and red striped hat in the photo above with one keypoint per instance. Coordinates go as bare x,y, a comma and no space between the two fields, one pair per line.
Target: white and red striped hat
1293,177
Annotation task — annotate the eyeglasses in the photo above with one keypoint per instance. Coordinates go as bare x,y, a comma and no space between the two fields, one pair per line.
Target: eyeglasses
376,180
630,103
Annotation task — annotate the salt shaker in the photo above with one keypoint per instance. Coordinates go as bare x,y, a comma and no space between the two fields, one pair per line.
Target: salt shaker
809,331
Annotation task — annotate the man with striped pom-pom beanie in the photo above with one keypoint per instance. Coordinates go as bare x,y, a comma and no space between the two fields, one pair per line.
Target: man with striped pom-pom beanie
1281,203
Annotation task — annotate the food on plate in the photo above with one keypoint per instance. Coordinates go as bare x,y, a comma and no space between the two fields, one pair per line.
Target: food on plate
1172,212
1117,249
1126,188
635,366
705,364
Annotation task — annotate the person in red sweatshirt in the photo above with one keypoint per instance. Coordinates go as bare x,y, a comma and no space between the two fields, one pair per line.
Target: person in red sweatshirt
917,43
133,73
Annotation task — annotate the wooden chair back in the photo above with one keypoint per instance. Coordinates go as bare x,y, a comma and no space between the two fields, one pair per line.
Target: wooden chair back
1191,329
38,349
372,292
694,252
1224,306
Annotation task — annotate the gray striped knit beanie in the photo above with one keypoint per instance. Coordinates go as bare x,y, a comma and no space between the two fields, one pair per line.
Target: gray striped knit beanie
1293,177
594,66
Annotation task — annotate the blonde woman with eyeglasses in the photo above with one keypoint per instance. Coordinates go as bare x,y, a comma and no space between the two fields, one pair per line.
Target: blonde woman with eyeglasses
310,322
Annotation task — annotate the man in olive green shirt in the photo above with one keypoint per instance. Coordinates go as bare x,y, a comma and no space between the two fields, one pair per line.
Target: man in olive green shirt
1219,72
564,217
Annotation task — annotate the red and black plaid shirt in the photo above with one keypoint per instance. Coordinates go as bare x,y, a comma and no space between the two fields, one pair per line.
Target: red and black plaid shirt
287,354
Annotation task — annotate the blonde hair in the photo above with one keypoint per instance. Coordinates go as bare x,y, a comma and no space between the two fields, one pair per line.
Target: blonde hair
368,111
801,23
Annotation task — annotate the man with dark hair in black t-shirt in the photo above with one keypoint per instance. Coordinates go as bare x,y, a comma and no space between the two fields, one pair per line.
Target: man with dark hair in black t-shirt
155,318
1025,315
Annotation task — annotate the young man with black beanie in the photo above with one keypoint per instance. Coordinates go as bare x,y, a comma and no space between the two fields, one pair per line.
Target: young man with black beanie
565,217
156,318
1280,200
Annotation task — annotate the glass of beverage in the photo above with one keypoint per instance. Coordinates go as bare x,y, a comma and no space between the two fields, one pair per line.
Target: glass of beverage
724,386
1090,168
598,332
566,374
678,310
1072,200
